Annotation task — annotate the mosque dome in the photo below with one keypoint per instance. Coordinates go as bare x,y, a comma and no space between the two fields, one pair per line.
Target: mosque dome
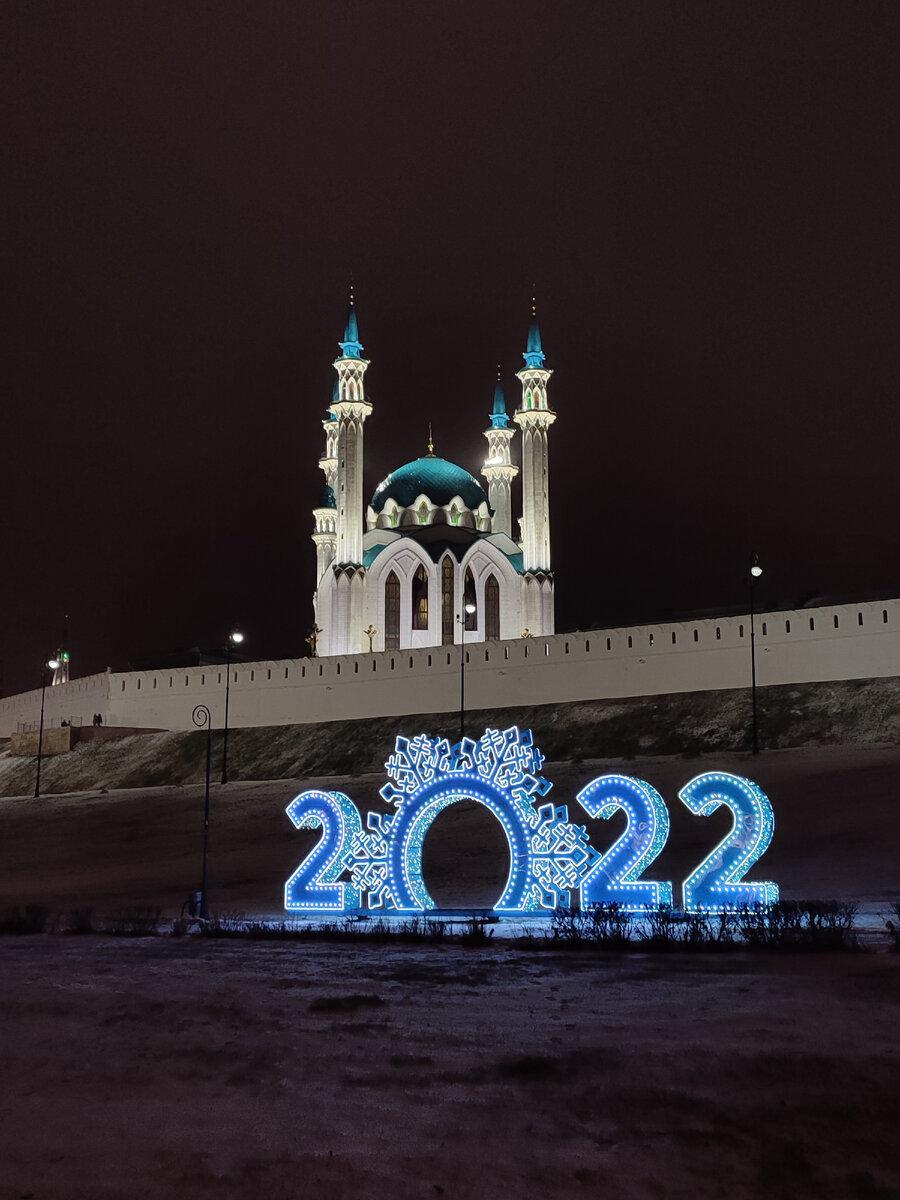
433,477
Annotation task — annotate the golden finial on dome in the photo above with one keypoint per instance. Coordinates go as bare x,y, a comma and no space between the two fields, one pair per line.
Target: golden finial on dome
430,442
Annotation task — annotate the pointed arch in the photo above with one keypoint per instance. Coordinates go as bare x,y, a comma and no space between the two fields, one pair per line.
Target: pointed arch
420,598
392,612
470,599
447,590
492,609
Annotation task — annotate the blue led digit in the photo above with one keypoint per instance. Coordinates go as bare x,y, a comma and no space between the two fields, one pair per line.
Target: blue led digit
718,884
616,877
315,886
413,821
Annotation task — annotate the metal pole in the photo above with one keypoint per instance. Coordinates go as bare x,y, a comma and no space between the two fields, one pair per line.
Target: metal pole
201,717
37,782
462,678
227,692
753,663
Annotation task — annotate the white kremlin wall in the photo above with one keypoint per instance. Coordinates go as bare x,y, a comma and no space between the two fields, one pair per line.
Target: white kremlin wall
846,641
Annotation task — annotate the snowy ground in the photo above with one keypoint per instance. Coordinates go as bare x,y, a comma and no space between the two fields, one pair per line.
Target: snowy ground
160,1068
192,1067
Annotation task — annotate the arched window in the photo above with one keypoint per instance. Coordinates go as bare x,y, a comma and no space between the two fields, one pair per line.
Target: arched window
469,600
392,612
447,601
492,610
423,513
420,599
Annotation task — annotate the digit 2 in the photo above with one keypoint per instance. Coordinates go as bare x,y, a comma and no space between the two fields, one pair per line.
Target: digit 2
314,886
717,884
615,878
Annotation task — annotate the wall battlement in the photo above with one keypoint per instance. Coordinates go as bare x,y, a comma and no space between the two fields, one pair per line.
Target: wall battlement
845,641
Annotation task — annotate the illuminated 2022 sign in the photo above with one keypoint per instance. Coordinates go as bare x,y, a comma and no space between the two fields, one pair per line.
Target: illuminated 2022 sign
549,857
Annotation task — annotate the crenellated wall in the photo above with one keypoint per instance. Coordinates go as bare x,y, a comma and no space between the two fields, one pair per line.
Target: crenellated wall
848,641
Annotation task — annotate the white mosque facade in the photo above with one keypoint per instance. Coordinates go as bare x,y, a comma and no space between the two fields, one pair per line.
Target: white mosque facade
432,560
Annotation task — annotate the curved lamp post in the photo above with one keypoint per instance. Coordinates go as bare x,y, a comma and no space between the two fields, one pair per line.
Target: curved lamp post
53,664
755,572
200,716
469,608
233,639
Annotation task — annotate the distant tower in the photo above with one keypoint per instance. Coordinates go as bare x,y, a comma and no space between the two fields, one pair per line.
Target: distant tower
341,548
61,671
325,516
498,470
534,418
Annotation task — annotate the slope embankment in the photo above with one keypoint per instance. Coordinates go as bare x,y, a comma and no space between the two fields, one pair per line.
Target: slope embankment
846,713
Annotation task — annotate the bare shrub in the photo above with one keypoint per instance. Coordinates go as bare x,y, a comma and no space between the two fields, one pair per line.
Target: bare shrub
27,918
137,921
799,925
475,931
80,920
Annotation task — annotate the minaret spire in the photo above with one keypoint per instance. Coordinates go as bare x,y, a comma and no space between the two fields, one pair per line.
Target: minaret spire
534,419
498,470
340,515
61,671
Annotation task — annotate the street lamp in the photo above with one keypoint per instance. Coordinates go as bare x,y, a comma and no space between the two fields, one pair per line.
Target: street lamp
755,572
53,664
233,639
469,608
201,716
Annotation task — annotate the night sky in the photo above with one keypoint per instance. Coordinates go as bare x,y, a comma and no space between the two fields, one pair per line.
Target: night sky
704,196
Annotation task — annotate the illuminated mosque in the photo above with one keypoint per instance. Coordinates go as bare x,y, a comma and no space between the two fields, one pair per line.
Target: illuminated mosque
432,559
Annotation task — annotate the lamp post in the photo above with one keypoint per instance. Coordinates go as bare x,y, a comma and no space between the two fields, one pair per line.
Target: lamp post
755,572
233,639
469,609
200,716
52,664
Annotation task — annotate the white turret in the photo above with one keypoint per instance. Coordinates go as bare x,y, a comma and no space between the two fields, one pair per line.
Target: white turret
338,531
351,409
498,470
534,418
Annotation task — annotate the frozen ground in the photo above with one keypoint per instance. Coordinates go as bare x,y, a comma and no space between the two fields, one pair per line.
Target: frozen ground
189,1067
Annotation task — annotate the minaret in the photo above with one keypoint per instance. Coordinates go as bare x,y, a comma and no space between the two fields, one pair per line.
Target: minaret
343,631
534,418
61,671
498,470
325,516
325,531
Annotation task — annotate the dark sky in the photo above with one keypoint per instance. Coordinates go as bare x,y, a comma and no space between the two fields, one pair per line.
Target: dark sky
704,195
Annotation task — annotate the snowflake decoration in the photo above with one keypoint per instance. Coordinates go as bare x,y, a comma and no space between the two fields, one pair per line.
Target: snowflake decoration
549,856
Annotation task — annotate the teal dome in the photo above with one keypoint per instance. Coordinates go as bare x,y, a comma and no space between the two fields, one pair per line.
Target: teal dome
433,477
